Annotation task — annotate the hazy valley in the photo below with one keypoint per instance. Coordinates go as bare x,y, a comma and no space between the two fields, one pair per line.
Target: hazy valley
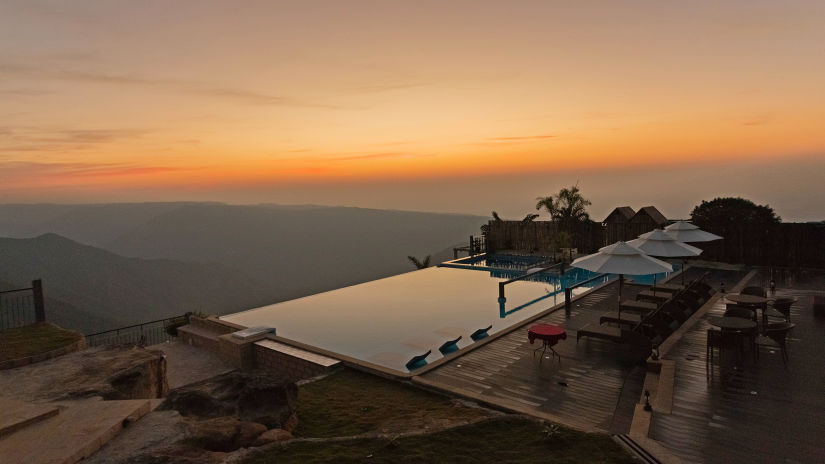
109,265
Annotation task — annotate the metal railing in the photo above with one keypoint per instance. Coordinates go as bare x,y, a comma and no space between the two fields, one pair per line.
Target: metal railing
22,306
145,334
568,292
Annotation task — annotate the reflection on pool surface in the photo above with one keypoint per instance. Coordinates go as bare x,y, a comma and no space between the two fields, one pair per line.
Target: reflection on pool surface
388,321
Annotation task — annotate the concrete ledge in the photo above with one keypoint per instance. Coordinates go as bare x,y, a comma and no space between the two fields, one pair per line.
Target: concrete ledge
15,415
20,362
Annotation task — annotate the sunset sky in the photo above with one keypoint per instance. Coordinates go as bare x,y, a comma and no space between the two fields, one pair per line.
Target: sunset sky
454,106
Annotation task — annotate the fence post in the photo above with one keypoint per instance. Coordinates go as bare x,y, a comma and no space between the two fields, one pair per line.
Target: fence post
568,294
39,302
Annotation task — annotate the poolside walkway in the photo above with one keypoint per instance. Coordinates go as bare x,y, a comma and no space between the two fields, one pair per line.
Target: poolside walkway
763,412
595,386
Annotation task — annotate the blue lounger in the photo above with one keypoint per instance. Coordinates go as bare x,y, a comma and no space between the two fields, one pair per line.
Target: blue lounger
417,362
449,346
480,333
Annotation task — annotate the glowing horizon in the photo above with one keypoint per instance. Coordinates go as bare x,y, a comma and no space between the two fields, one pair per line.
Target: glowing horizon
196,99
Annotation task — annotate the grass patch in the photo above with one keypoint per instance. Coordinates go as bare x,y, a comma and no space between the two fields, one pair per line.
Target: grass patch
34,339
352,402
510,439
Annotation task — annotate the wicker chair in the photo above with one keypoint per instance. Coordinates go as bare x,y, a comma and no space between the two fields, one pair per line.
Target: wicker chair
776,336
783,306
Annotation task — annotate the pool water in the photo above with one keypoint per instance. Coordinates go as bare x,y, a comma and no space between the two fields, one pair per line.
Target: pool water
388,321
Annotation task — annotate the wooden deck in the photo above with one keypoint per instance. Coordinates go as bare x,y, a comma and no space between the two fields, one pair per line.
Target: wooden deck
594,385
762,412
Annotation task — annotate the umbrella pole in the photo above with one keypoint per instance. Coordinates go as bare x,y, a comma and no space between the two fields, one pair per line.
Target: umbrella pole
684,265
619,300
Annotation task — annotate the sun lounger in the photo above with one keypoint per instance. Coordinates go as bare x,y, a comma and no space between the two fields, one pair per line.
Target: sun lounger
600,331
622,320
618,335
449,346
656,297
417,361
667,287
641,307
480,333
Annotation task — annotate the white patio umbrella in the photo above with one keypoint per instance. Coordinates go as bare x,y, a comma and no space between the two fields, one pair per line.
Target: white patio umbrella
621,258
684,231
662,245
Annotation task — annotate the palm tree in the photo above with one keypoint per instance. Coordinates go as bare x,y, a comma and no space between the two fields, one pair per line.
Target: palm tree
567,208
529,218
420,264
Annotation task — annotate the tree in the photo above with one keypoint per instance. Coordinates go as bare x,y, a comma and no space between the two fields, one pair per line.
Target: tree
567,208
741,222
420,264
529,218
733,211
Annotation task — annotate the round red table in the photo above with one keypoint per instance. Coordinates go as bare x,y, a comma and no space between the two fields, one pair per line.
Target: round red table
549,335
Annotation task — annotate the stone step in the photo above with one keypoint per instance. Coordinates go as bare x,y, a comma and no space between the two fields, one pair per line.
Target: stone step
196,335
79,430
15,415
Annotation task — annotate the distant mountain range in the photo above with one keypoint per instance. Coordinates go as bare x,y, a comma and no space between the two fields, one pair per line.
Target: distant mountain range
117,264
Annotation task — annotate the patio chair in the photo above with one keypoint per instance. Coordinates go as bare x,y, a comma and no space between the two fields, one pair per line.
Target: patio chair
722,340
783,306
776,336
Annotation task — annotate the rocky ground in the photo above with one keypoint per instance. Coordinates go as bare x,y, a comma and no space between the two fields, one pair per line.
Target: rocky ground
204,421
112,373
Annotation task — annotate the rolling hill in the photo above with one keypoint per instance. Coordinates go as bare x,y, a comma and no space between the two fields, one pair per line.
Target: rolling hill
92,289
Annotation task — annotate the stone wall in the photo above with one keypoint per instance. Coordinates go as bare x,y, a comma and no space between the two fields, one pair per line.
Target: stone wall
290,367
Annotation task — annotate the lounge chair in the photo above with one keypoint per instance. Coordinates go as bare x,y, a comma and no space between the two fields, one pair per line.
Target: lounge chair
449,346
480,333
617,335
672,288
655,297
417,361
642,307
622,320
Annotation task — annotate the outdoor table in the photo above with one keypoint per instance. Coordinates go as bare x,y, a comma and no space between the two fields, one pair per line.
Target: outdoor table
549,335
752,301
731,323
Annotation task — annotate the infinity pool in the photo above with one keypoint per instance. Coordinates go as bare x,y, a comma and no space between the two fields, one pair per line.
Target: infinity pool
388,321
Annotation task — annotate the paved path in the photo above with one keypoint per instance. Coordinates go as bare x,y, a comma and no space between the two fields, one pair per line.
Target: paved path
186,364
